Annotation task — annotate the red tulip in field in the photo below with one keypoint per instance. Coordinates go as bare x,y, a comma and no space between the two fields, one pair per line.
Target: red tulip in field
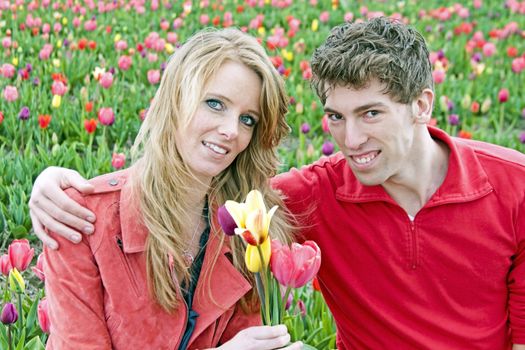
295,266
20,254
118,160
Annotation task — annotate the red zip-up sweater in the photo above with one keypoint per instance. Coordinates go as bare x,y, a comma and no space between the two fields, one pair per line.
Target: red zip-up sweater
451,278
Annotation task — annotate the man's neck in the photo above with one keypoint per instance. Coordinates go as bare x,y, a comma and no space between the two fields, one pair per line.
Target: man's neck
420,179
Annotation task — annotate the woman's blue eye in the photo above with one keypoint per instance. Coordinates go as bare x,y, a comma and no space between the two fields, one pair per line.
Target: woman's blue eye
214,104
248,120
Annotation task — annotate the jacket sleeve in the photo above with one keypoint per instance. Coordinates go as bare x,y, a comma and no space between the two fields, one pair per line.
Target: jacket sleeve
516,283
75,296
240,320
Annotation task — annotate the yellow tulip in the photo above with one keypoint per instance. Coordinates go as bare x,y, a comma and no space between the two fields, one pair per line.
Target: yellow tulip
64,21
16,282
315,25
253,259
169,48
251,217
57,100
14,61
117,37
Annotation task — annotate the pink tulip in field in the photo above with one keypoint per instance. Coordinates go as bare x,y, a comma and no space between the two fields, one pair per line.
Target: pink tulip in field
43,317
38,270
10,93
106,116
106,80
118,160
45,52
121,45
58,88
503,95
20,254
153,76
5,265
6,42
489,49
438,76
172,37
124,62
518,64
7,70
90,25
295,266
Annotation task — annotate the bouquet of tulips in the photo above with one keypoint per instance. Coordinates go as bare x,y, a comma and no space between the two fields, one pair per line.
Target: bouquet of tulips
274,264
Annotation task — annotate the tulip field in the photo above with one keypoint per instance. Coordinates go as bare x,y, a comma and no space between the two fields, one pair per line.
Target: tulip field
76,79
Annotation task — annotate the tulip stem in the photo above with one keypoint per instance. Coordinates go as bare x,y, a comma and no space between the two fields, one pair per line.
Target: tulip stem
266,290
9,339
20,313
285,300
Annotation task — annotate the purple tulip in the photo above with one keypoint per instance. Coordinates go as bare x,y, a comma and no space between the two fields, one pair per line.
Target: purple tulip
328,148
453,119
522,137
9,314
24,113
305,128
226,221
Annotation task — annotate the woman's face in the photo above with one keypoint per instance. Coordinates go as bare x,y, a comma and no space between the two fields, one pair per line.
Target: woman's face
224,122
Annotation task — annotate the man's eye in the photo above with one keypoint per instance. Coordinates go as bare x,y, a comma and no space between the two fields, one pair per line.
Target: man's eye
371,114
334,117
214,104
248,120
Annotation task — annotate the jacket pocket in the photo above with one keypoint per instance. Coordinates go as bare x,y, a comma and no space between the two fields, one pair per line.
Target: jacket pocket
132,274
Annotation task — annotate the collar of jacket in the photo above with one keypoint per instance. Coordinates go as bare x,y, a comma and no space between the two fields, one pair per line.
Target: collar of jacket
466,179
216,291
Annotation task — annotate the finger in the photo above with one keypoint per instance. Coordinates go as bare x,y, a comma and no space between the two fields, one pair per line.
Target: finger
274,343
74,179
56,227
41,233
60,199
295,346
268,332
65,217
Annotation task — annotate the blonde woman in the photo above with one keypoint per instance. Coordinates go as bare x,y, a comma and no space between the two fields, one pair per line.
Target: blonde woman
157,272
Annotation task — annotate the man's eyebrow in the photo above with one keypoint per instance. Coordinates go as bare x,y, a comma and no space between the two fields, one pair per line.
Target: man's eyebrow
358,109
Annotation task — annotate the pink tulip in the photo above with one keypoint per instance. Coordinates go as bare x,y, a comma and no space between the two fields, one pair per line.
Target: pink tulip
124,62
106,80
324,16
6,42
7,70
39,268
438,76
106,116
90,25
489,49
10,93
296,266
118,160
503,95
5,265
153,76
518,64
121,45
20,254
58,88
172,37
43,317
324,124
204,19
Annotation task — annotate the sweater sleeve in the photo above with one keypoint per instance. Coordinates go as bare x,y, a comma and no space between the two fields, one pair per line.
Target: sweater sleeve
75,296
516,283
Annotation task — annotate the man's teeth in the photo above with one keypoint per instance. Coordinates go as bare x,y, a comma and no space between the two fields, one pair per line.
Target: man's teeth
215,147
364,160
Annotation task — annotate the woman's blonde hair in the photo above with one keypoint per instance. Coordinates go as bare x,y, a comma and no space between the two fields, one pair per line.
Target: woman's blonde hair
161,180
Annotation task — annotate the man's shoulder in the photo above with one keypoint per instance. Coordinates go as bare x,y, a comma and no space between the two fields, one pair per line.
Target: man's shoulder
106,186
323,167
494,155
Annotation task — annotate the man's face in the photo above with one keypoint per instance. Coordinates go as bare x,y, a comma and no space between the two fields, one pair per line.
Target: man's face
376,134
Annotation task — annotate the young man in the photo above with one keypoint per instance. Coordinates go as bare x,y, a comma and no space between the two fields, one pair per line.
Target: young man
423,242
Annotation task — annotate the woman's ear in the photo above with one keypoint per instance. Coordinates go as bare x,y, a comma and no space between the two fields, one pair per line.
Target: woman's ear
422,106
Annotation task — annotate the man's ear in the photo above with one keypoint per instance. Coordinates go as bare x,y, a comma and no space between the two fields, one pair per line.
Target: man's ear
422,106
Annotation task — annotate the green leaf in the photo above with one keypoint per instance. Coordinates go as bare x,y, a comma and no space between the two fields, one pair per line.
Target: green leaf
32,315
21,341
34,344
19,232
